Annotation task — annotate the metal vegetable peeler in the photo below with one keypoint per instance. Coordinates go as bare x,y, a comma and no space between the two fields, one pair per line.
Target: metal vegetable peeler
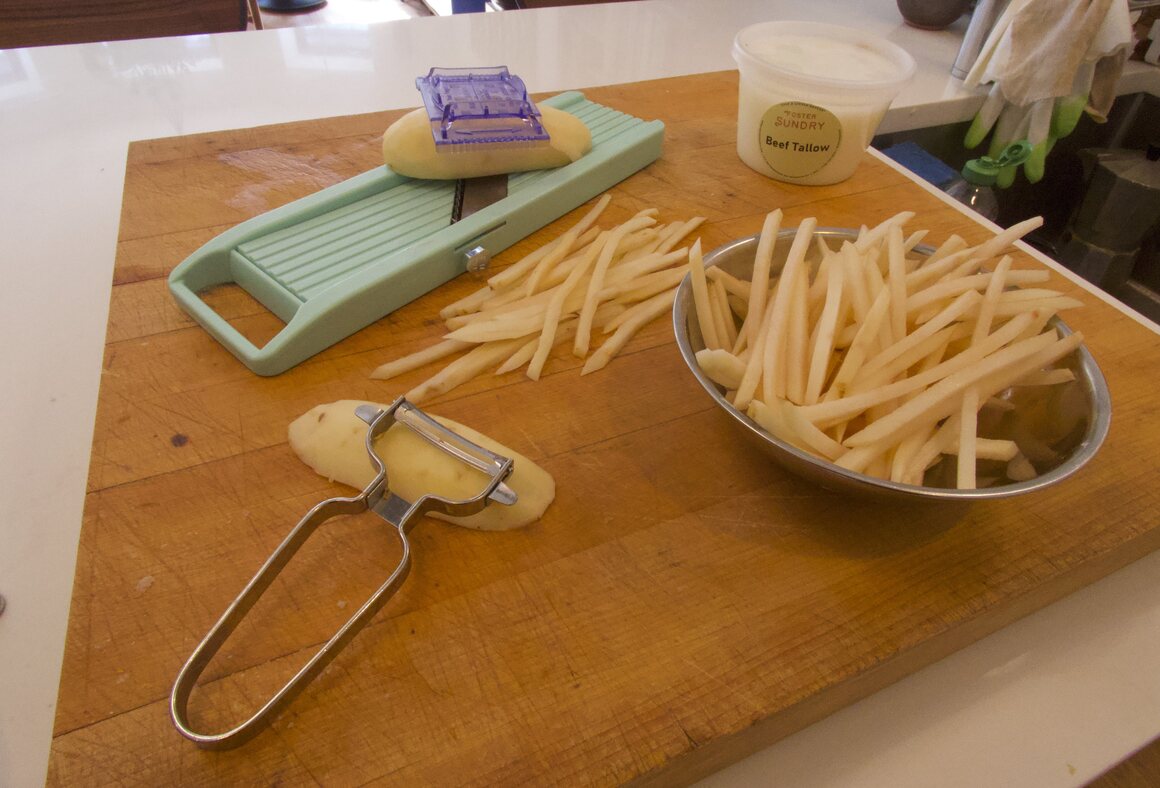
378,498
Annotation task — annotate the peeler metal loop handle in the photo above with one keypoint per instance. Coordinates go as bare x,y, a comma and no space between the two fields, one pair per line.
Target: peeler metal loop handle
376,497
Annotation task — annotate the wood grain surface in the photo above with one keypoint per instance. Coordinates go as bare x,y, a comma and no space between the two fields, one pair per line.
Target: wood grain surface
682,603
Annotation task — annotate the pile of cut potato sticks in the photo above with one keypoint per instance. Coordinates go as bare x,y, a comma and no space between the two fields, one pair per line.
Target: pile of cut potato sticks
878,359
589,283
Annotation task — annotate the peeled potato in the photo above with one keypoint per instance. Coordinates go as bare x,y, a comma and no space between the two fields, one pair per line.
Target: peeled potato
409,149
331,439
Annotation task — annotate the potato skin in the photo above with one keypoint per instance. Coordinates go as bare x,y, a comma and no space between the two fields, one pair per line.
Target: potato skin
409,149
331,439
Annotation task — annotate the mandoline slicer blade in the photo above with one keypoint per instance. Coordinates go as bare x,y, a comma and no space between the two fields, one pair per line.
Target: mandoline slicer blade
336,261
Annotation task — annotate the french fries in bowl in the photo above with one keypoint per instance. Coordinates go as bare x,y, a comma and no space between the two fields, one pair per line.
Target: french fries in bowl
867,362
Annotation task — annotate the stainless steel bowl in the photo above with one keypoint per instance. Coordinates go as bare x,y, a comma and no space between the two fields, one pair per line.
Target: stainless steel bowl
1062,426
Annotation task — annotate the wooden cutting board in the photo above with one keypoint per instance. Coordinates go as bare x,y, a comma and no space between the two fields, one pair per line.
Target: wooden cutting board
682,603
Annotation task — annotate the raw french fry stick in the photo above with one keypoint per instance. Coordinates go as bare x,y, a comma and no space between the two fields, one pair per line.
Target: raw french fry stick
645,286
1020,468
558,273
954,287
913,240
524,307
734,286
638,243
631,272
876,264
991,300
1006,238
817,294
904,454
759,283
1049,307
897,266
467,304
721,367
823,345
562,249
681,234
701,303
719,300
463,369
643,312
418,359
966,268
555,308
968,424
492,330
1047,377
853,264
862,344
796,358
810,435
871,237
522,356
952,244
938,443
930,272
991,449
772,420
753,367
513,272
860,458
774,373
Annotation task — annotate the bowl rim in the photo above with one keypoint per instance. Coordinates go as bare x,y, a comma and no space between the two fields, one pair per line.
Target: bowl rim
1095,383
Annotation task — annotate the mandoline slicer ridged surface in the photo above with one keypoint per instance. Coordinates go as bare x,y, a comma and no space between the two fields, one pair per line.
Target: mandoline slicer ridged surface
310,257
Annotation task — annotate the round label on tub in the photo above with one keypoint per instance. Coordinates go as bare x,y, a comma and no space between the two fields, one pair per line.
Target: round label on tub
797,139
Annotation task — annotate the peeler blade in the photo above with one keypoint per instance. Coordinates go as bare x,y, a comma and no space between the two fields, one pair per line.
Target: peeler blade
448,440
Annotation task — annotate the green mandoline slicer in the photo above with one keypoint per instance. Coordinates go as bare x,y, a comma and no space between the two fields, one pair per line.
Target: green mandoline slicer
334,262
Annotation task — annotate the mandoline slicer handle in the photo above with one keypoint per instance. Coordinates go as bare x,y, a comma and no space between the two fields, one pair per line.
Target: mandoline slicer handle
214,324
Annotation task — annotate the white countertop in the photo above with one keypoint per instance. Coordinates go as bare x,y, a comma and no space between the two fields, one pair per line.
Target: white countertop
1049,701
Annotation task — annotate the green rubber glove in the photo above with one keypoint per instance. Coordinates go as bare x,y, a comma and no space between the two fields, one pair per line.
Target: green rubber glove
1040,125
1068,111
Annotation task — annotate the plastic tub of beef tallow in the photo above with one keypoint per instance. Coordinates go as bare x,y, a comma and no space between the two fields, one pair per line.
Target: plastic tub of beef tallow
811,96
